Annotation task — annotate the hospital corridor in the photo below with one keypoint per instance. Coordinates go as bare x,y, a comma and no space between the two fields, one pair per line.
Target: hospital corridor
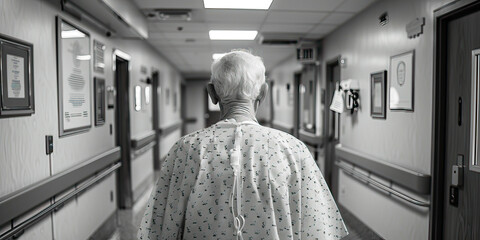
239,119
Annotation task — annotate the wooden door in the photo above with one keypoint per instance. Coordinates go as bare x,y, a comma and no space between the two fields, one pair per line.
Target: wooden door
461,218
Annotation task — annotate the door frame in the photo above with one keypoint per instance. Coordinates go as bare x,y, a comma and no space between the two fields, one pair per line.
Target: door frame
442,17
156,117
122,135
331,170
297,79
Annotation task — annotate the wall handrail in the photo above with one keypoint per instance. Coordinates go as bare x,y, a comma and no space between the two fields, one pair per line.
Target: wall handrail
25,199
20,228
140,142
414,181
380,186
165,130
310,138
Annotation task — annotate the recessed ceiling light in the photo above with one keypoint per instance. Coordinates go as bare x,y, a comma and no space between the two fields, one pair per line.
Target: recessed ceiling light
216,56
232,34
238,4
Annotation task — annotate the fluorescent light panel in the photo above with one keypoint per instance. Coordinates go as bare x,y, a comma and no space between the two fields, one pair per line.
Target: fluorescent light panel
238,4
232,34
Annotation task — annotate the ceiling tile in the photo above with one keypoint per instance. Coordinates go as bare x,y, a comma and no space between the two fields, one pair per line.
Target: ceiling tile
295,17
337,18
173,27
305,5
354,5
323,29
286,28
235,16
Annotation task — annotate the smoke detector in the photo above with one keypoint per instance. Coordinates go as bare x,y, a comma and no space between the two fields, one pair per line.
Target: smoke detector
179,15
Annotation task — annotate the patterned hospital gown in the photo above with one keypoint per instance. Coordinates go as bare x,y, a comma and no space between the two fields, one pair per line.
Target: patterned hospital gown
283,193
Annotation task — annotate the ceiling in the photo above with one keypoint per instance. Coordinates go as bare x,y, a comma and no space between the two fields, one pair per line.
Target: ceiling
191,49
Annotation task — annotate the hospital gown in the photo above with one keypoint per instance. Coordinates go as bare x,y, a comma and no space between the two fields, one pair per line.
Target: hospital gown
282,192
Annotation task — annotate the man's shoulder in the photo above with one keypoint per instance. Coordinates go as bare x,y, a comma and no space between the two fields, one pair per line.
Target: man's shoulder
281,136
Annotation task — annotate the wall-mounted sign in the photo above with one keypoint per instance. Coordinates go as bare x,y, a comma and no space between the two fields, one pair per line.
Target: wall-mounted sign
138,98
378,94
74,59
401,81
98,56
16,79
99,101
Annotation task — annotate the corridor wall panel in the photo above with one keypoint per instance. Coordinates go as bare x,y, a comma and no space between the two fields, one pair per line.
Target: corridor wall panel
282,75
195,104
404,138
22,139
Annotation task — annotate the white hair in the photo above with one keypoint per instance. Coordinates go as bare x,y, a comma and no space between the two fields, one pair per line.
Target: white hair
238,75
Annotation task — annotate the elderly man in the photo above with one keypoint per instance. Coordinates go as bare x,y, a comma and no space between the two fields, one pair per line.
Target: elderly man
237,179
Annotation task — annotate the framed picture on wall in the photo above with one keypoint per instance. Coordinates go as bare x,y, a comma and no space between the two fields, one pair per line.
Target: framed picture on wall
99,101
74,84
98,56
402,72
16,78
138,98
378,95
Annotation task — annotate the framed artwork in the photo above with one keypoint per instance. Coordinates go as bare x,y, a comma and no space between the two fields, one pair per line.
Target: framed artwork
99,101
148,92
167,96
175,106
111,94
402,81
16,78
98,56
378,95
138,98
74,84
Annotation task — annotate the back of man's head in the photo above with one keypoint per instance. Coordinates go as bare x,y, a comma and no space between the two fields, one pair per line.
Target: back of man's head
238,75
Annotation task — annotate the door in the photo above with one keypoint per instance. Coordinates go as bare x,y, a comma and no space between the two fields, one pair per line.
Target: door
122,123
297,80
332,125
461,218
156,118
308,98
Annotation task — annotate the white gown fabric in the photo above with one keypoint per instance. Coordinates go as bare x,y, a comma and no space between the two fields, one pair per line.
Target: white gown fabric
279,193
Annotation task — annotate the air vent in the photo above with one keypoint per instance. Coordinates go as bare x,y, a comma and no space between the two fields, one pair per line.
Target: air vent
179,15
279,38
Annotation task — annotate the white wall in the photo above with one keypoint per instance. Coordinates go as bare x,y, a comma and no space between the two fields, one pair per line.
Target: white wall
404,138
282,75
22,139
195,104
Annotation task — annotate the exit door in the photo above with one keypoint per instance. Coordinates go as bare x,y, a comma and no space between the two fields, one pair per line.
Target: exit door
458,78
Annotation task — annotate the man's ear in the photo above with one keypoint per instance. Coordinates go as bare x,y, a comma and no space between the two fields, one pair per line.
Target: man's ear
263,92
212,93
